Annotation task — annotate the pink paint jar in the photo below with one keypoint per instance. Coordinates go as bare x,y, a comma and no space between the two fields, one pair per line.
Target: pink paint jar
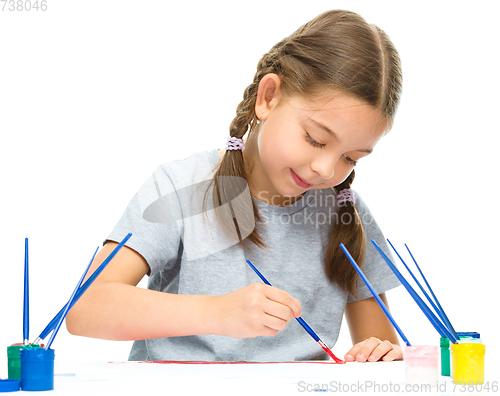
422,364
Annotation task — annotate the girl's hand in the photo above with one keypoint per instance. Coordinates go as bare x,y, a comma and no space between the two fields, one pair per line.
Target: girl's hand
372,350
255,310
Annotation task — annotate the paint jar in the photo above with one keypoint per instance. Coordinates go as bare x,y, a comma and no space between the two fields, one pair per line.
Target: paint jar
14,361
421,363
468,361
37,369
444,344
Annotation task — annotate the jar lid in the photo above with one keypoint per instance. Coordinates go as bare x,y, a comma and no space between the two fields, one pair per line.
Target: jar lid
470,334
9,385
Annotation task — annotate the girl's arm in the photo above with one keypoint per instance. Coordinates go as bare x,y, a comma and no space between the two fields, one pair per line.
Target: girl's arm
372,334
114,308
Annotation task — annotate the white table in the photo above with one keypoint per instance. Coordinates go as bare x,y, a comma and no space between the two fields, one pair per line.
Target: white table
287,378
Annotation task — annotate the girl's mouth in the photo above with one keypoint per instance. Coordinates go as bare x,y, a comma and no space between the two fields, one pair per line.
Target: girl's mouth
300,182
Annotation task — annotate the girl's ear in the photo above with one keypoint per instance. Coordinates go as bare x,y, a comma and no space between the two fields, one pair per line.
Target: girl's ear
268,95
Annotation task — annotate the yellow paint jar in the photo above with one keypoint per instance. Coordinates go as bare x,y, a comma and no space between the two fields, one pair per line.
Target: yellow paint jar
468,362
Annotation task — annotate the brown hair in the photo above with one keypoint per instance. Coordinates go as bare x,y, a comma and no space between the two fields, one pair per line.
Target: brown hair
337,50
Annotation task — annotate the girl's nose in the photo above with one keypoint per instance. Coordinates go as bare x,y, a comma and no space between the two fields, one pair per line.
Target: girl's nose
325,167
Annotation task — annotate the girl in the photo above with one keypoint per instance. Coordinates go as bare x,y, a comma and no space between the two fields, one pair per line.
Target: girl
320,101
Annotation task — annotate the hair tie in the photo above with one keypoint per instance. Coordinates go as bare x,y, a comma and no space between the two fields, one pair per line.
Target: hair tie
346,195
233,143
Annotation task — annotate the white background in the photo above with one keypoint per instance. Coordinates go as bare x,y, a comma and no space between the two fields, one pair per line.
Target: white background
95,94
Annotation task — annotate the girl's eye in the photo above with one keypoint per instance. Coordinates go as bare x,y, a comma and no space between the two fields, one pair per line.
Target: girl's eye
350,160
314,142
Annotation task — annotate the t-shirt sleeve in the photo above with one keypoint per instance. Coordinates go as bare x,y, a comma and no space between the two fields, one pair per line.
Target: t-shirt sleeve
375,268
155,235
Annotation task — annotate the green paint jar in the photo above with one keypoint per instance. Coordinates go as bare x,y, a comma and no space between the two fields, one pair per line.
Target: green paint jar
14,359
444,343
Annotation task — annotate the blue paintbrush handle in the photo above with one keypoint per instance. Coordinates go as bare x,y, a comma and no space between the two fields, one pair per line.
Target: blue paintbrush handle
416,281
83,288
308,329
61,319
442,330
258,273
443,316
436,309
299,319
26,307
374,293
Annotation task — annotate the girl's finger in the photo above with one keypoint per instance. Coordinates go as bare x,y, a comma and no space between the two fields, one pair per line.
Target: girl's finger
367,348
278,310
381,350
274,323
282,297
350,356
395,354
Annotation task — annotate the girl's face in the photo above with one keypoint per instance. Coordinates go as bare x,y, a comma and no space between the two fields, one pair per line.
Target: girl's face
304,145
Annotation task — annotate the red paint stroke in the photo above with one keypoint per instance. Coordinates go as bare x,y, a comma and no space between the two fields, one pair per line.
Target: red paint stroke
330,353
235,362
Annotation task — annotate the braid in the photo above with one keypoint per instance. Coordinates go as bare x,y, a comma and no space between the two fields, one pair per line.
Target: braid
337,266
226,189
245,113
246,119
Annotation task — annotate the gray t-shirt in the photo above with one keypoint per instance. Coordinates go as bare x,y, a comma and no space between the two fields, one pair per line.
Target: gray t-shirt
190,255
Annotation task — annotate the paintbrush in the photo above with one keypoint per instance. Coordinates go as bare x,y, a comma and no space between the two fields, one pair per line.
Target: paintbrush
375,295
303,322
81,290
439,310
68,305
26,302
440,328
